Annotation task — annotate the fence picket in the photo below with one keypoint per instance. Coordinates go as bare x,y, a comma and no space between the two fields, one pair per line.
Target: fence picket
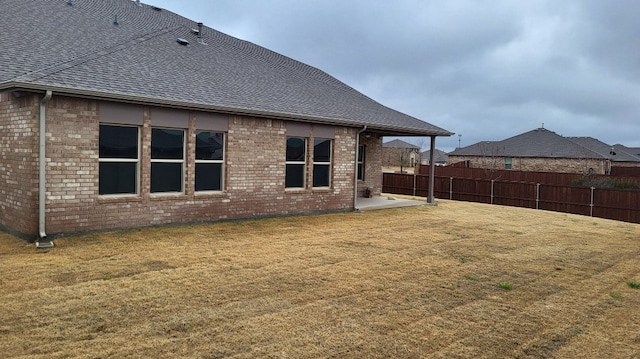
617,204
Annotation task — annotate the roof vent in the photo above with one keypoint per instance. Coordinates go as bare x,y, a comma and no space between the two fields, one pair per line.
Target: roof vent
200,39
156,8
138,3
182,41
69,3
115,20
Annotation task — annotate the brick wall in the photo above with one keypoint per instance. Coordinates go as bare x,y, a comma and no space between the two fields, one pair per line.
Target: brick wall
19,163
373,164
567,165
254,173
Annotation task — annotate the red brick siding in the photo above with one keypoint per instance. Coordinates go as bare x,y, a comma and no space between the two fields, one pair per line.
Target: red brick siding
254,183
19,163
373,164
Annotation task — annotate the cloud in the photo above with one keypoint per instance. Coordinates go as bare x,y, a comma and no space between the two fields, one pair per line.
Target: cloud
487,70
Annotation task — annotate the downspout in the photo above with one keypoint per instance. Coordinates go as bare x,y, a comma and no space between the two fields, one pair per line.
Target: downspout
43,242
355,173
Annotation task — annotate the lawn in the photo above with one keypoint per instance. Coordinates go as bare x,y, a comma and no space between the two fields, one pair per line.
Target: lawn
457,280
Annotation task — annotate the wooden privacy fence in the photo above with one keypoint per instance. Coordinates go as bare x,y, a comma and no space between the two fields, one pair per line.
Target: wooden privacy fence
618,204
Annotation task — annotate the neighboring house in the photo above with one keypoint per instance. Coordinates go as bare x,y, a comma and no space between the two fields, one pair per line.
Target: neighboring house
617,154
117,114
536,150
440,158
398,153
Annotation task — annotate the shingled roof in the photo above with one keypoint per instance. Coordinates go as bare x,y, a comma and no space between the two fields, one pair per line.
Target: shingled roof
535,143
125,51
615,154
400,144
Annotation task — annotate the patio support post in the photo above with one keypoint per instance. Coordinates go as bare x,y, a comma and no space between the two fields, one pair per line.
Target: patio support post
432,170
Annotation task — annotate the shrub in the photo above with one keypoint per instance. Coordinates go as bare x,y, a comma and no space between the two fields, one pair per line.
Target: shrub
607,182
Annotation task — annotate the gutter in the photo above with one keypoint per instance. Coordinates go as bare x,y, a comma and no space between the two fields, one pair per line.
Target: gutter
98,95
355,173
43,242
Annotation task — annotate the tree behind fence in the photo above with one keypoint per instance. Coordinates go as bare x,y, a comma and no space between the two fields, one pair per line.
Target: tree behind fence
618,204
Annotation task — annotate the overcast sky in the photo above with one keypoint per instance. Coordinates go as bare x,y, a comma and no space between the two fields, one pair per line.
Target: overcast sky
486,70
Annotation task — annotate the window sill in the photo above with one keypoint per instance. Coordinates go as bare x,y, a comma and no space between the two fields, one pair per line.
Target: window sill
114,198
210,194
167,195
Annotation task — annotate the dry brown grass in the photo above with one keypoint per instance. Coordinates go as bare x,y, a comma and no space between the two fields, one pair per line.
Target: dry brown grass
405,283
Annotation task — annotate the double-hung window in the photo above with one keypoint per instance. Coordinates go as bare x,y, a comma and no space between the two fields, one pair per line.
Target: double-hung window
119,160
296,162
209,161
321,162
167,160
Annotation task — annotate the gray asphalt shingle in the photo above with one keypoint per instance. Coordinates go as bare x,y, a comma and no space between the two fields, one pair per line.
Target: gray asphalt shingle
535,143
78,50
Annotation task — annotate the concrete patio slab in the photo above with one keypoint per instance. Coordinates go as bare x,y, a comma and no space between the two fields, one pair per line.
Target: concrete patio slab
385,201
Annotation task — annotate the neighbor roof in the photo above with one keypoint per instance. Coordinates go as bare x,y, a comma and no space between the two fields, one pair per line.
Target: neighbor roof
115,49
399,144
438,155
535,143
611,152
633,151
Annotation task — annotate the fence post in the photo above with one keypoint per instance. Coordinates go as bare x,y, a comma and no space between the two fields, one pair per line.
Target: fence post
492,181
591,204
537,195
450,188
414,182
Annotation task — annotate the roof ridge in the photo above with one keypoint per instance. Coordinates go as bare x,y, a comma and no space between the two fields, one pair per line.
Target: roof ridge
51,69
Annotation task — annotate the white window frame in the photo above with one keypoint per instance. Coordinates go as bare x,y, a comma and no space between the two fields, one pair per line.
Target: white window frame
328,164
122,160
159,160
222,162
303,163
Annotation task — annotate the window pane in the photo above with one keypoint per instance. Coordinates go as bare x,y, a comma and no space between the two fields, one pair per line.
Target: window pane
117,178
209,145
360,171
294,176
321,150
321,174
208,176
166,177
118,142
167,144
361,153
295,149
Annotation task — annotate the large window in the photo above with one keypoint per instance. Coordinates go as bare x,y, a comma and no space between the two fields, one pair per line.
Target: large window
296,162
119,159
361,150
209,161
321,162
167,160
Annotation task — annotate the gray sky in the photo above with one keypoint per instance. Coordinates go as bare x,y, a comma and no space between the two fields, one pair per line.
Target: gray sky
487,70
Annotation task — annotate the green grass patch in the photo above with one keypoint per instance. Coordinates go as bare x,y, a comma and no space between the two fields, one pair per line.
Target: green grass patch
634,285
505,285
